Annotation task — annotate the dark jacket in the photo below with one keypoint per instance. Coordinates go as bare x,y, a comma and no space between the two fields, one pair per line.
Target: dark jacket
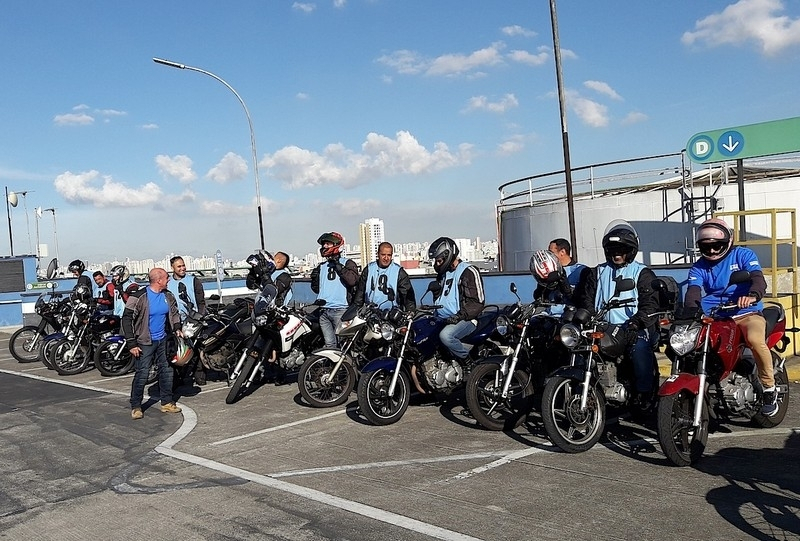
257,280
647,305
136,318
348,275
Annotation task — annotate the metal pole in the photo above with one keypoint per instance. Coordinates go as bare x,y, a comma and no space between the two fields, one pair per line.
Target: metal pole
249,123
564,134
8,213
740,181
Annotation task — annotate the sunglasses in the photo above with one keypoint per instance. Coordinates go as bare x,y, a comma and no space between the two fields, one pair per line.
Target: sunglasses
617,249
713,247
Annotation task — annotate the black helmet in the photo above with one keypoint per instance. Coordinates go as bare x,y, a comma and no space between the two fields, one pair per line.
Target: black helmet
81,293
119,273
620,239
261,262
77,266
443,251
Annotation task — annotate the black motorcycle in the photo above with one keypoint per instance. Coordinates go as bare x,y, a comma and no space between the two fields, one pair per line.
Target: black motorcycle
26,342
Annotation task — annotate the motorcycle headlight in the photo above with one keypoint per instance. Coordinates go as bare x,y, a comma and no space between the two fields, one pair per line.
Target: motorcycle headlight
190,329
261,320
387,331
570,335
502,324
683,338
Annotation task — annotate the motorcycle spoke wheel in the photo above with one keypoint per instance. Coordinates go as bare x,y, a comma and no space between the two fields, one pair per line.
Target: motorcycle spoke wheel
569,427
69,360
488,408
681,442
318,388
107,365
25,344
236,391
376,404
46,353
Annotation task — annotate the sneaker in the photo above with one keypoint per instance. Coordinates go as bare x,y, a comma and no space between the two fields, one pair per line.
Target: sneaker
769,402
170,408
136,413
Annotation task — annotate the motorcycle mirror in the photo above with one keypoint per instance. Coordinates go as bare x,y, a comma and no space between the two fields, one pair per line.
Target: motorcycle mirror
623,285
320,302
739,277
434,287
581,316
350,313
513,288
659,285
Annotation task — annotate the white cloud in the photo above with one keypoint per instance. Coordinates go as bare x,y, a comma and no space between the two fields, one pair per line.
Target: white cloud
339,3
231,167
602,88
356,207
517,30
302,96
589,112
151,126
110,112
380,156
412,63
178,167
747,21
482,103
73,119
511,146
85,188
524,57
81,107
304,6
634,117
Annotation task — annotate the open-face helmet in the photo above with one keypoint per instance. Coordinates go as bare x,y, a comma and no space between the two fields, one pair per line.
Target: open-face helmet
620,239
443,252
337,243
714,239
546,269
77,266
119,274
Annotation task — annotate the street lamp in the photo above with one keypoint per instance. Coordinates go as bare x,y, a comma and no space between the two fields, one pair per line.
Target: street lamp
11,199
249,122
55,234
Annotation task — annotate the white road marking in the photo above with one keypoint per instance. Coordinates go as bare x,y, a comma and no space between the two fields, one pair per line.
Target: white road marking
509,457
281,427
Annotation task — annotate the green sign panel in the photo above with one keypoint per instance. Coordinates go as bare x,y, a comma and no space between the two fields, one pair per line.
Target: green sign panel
751,141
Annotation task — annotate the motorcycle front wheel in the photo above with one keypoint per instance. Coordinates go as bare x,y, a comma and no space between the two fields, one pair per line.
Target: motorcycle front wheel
484,386
681,442
569,427
236,389
318,388
69,360
46,353
25,344
107,365
373,396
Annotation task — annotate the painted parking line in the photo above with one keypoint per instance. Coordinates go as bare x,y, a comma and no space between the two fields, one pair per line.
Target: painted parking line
281,427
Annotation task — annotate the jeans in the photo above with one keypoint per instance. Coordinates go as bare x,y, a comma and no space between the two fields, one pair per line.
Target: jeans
328,322
451,336
642,354
155,352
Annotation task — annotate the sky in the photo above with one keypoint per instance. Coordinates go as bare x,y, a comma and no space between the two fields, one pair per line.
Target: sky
411,111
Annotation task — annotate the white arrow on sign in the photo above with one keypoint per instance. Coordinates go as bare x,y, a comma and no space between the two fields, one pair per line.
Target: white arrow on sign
731,145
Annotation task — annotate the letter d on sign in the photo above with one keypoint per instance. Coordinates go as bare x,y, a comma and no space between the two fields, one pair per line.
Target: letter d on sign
701,148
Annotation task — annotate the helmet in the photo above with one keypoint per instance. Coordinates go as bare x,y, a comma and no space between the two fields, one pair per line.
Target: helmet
261,262
714,239
620,238
546,268
179,352
81,293
443,251
334,238
77,266
119,273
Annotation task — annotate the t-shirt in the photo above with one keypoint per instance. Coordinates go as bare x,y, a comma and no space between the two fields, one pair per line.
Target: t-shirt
159,309
713,277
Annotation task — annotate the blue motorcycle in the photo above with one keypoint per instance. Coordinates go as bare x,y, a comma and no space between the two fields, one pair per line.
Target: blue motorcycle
384,388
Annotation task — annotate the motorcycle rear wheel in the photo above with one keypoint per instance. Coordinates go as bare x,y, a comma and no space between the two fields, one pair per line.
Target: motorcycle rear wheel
316,387
69,361
46,353
236,391
107,365
492,412
681,442
569,428
24,344
373,396
782,379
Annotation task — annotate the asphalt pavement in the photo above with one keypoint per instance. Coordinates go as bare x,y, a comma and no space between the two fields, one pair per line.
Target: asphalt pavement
270,467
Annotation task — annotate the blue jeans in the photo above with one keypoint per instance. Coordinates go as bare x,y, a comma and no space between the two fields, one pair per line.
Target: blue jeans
644,359
156,352
451,336
328,322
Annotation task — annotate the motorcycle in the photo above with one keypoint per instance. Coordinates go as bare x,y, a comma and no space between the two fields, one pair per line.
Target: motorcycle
25,344
327,377
384,388
73,355
714,377
501,389
68,330
575,396
286,333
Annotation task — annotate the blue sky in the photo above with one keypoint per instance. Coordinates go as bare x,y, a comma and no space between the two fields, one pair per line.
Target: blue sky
410,111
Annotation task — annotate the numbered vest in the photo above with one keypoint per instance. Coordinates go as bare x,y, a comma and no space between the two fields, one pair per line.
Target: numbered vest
449,299
379,281
177,287
331,288
606,284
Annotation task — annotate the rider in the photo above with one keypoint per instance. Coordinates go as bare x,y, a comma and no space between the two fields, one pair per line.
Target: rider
711,273
382,276
85,278
121,288
555,282
264,270
182,284
334,282
105,291
461,295
620,246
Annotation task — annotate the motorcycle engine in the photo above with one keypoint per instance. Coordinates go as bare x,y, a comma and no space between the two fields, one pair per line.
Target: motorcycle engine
738,392
293,359
441,374
613,389
220,359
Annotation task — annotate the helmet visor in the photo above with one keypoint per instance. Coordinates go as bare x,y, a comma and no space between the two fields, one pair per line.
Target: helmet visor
712,247
617,249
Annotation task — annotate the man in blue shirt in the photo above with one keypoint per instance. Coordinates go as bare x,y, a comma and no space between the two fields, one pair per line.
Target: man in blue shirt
712,273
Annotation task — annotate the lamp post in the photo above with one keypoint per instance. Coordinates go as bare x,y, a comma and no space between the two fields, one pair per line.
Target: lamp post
8,213
55,233
249,123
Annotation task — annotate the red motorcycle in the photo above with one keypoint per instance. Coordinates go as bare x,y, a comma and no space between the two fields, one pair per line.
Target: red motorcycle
714,376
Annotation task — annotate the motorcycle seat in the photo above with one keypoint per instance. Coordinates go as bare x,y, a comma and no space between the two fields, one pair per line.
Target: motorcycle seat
773,313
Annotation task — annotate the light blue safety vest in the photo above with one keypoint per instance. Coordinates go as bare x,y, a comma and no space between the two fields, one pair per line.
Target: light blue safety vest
288,295
379,281
331,288
449,299
605,290
95,290
573,273
119,304
174,286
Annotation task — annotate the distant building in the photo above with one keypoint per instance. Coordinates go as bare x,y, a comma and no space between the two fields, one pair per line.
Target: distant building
371,234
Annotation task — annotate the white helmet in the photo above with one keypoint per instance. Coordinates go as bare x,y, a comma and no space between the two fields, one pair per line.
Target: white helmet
546,268
714,239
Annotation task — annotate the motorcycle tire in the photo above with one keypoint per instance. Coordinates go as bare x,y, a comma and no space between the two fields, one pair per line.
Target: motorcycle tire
236,390
25,344
492,412
682,443
782,379
316,387
106,364
569,428
69,361
373,396
46,353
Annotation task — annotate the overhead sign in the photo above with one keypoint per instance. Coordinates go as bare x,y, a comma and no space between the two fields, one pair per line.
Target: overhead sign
751,141
220,265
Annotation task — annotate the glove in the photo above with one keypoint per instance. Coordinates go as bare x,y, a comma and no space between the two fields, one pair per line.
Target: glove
337,266
452,320
631,329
